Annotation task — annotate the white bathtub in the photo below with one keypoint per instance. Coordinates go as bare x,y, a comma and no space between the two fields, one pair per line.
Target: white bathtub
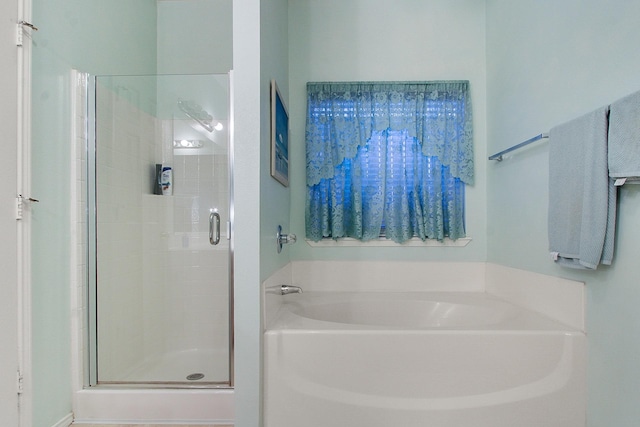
420,359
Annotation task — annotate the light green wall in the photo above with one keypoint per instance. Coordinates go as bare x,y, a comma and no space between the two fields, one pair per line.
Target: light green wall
194,37
98,37
549,62
115,37
275,199
336,40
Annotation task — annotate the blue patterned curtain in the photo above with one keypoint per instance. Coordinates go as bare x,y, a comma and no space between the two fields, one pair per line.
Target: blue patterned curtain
389,158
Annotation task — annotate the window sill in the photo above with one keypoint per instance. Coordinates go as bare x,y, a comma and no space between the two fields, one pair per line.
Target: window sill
382,242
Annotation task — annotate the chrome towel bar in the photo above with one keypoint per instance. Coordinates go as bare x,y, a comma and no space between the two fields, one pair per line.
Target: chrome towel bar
498,156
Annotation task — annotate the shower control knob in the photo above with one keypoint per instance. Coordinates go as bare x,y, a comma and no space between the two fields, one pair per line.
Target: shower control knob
282,239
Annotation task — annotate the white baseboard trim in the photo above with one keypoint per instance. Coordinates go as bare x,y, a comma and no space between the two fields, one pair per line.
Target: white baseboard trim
65,422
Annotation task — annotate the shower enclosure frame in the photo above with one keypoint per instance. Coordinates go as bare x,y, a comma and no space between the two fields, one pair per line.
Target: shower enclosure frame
90,362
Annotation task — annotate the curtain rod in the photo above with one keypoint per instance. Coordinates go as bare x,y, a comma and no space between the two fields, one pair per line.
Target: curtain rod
498,156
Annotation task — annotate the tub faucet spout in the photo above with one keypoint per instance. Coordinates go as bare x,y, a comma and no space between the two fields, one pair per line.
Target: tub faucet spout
283,289
289,289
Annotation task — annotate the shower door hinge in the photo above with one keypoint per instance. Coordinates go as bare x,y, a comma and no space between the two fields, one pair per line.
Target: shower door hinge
20,382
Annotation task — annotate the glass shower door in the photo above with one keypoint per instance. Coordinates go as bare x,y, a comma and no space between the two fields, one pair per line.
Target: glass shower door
160,231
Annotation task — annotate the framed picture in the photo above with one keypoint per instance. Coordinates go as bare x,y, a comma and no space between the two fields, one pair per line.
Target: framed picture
279,137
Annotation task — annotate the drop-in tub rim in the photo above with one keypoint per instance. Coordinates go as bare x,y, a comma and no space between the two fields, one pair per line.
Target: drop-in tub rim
305,312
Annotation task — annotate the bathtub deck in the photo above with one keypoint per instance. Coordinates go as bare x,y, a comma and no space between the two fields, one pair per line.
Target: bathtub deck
439,312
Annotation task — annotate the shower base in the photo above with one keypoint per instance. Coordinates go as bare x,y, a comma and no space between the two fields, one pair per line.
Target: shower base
157,392
188,367
154,406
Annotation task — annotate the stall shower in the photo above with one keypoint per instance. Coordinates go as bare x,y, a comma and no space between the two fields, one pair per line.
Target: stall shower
159,232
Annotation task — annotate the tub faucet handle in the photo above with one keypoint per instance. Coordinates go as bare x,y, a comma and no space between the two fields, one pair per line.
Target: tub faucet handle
289,238
282,239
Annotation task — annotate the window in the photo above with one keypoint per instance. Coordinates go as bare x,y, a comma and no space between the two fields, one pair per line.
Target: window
388,159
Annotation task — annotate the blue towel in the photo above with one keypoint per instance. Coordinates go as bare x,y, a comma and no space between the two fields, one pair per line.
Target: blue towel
582,197
624,138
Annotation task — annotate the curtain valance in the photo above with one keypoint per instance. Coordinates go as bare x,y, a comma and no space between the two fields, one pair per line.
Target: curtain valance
342,116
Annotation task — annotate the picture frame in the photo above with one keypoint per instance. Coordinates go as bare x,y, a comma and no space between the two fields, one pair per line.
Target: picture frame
279,137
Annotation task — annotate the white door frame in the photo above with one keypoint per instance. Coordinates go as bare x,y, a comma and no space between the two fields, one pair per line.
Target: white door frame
8,256
23,218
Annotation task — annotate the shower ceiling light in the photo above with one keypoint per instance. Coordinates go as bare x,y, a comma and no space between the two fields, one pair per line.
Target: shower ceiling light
218,126
187,143
195,112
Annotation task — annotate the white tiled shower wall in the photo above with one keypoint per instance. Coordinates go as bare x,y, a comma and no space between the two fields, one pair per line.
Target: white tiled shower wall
200,185
125,153
162,289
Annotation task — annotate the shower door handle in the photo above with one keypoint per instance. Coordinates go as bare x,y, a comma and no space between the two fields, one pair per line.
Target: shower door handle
214,228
